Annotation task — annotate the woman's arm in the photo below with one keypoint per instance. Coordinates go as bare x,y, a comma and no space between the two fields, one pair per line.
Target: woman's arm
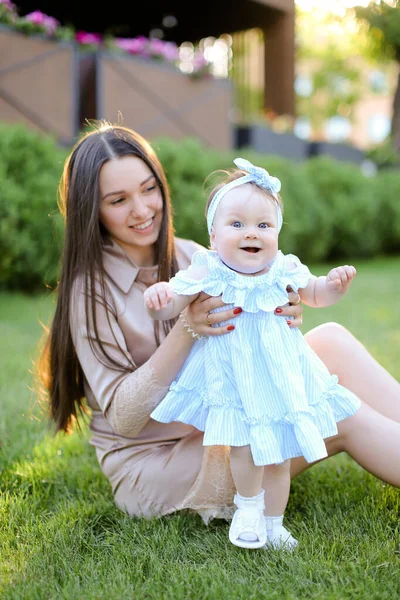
142,390
128,396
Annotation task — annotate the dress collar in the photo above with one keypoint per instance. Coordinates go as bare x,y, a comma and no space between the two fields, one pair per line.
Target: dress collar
122,270
248,281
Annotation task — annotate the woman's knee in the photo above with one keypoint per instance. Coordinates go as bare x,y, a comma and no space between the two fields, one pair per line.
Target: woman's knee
328,334
332,343
349,428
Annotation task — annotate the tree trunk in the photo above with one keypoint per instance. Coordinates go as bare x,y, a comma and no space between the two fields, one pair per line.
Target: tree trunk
395,133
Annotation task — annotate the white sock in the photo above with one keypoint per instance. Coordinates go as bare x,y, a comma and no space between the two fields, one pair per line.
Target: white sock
249,499
278,536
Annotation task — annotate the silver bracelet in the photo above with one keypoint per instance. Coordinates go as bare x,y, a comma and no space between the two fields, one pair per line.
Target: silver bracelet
188,328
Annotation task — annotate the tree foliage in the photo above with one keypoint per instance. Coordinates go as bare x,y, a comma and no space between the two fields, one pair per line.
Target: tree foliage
383,22
336,81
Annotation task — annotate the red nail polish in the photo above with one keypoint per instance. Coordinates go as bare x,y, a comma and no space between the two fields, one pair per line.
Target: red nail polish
237,311
230,327
289,322
278,310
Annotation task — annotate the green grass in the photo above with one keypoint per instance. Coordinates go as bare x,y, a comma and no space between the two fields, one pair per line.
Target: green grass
62,537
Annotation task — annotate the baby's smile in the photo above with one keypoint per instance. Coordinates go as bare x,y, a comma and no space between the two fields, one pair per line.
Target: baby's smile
251,249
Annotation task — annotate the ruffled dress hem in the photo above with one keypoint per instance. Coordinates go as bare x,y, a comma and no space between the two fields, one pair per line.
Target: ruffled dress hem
262,386
272,440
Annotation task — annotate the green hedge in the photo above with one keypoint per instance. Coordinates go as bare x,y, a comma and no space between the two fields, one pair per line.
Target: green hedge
331,210
30,225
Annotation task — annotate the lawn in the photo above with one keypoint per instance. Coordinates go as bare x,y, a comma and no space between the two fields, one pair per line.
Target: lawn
62,537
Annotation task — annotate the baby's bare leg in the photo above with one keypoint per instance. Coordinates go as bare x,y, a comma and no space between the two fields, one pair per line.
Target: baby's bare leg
246,475
276,483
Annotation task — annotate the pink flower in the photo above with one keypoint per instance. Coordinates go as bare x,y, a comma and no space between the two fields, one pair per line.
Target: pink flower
167,50
136,45
90,39
38,18
8,5
170,51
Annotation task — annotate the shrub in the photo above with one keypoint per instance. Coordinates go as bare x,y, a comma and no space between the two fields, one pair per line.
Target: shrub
387,197
331,210
385,155
188,164
348,198
30,228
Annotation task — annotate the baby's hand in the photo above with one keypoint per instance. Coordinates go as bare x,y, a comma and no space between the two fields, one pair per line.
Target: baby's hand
340,278
158,295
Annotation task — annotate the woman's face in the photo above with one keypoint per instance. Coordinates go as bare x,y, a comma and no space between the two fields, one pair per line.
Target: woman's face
131,206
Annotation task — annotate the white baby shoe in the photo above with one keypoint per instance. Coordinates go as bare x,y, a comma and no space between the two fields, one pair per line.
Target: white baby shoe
248,526
278,536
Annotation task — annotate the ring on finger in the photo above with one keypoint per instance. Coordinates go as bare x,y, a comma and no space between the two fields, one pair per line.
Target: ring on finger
208,319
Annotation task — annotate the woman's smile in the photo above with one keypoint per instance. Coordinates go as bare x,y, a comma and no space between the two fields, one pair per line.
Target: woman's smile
145,227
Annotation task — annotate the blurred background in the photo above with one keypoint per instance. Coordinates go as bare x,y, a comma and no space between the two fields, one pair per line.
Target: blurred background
299,78
306,88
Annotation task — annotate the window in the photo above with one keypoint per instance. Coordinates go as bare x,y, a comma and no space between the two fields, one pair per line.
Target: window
378,82
337,129
303,86
378,128
302,128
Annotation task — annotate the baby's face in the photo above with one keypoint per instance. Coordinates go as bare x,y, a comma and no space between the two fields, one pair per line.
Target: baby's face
245,231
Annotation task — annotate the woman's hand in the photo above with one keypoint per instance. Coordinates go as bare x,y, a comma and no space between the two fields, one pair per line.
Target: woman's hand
293,310
197,314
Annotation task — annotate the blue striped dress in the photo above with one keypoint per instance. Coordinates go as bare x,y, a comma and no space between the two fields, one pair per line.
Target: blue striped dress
261,385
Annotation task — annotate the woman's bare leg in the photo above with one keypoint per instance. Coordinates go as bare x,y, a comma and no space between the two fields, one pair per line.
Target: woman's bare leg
371,439
357,370
371,436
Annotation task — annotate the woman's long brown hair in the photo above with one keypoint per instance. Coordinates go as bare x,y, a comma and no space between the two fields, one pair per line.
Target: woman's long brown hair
59,368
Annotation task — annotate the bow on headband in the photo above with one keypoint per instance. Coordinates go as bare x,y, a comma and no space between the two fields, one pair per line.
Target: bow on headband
256,175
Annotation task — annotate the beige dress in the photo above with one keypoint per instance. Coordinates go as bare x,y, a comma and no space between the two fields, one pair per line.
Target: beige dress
154,468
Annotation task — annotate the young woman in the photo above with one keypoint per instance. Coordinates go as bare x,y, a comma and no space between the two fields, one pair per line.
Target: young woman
105,348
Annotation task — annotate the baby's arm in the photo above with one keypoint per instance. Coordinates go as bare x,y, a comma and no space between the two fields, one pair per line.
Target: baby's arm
163,303
327,290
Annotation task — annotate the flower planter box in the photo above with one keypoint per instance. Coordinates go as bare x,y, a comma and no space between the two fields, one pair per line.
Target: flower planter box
264,140
40,84
157,100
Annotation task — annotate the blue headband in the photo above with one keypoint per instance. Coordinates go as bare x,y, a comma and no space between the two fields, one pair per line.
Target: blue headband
256,175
